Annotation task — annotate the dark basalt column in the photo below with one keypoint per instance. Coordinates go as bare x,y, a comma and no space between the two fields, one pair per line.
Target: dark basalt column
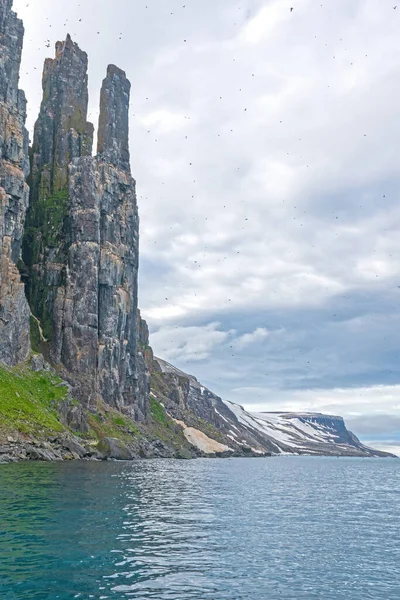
100,336
61,134
14,192
113,134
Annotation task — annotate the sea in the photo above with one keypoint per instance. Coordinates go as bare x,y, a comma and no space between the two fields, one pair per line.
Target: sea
287,528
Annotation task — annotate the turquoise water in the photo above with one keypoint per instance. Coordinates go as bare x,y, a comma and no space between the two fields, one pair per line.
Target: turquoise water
239,529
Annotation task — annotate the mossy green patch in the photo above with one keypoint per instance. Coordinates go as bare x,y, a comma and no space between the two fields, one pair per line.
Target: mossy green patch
157,411
108,422
45,242
51,211
164,428
29,400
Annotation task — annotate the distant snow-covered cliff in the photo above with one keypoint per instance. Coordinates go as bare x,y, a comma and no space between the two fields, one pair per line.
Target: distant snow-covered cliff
189,402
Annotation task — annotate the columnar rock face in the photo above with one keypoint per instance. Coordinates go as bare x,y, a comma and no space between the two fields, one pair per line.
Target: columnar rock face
119,247
113,134
14,193
100,327
61,135
81,245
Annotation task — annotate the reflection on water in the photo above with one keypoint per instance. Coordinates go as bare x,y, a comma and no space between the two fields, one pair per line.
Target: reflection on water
238,529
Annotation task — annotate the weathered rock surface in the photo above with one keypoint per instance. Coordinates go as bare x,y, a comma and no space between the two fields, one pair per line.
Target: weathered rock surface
73,415
73,445
99,336
61,134
113,133
14,193
65,447
114,449
144,358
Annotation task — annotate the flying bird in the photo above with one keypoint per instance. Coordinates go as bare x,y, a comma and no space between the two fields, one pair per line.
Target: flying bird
291,9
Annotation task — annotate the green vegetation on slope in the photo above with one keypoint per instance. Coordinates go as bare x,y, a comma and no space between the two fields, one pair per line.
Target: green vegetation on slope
165,429
108,422
157,411
29,400
45,242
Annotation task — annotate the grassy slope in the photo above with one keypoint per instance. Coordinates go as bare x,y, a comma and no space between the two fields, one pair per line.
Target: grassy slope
28,401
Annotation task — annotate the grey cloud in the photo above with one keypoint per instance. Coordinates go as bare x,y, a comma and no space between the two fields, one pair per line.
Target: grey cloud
376,425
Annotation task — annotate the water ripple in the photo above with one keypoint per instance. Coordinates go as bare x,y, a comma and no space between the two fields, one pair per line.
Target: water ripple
239,529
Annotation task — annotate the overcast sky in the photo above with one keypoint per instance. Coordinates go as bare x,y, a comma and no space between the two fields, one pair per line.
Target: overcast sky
266,147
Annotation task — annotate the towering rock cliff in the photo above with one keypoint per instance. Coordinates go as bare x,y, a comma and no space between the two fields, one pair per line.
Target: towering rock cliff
61,135
14,193
99,335
81,241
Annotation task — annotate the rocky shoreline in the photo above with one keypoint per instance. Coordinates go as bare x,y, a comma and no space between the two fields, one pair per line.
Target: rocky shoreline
70,448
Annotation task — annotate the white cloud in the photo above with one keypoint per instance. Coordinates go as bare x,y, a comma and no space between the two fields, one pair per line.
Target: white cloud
265,22
164,121
258,335
348,402
188,344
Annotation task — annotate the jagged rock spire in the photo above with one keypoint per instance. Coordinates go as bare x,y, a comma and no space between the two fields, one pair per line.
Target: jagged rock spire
62,132
61,135
12,35
113,134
